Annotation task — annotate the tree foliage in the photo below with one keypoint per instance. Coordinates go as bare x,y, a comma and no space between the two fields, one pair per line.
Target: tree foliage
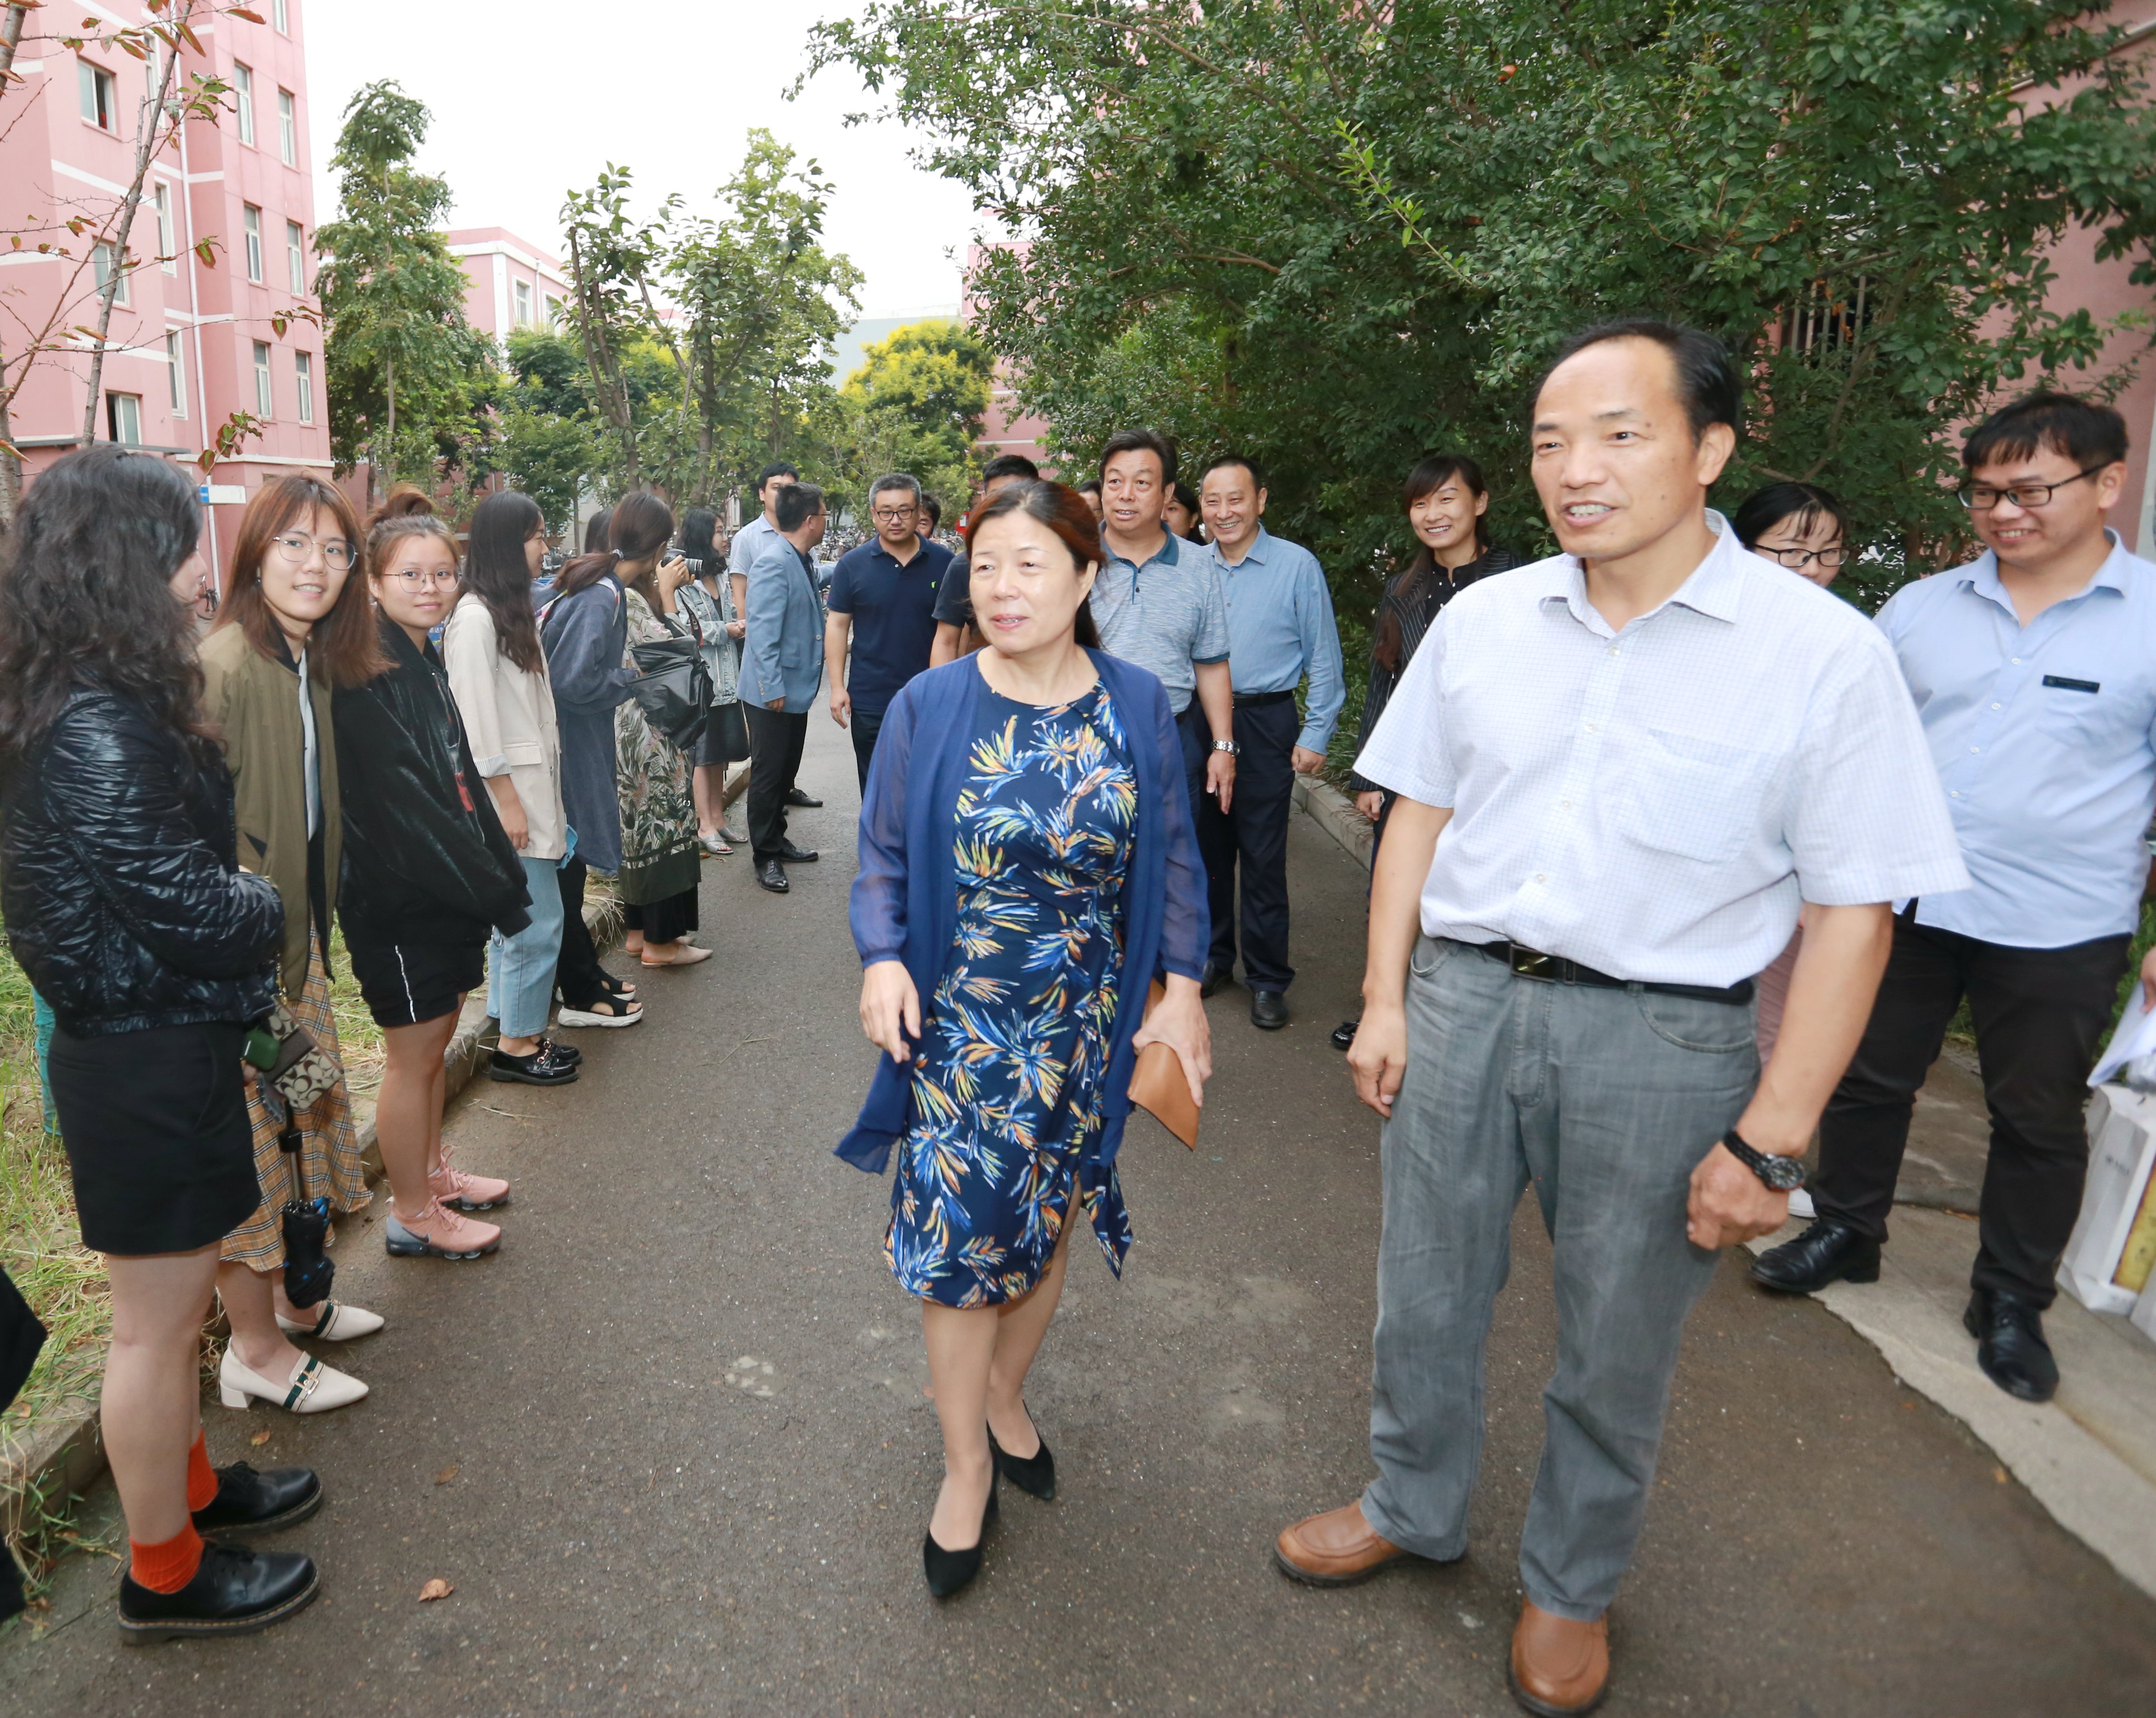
915,403
1342,235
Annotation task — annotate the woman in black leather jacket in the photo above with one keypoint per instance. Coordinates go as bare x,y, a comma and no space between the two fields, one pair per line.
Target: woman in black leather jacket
125,905
427,876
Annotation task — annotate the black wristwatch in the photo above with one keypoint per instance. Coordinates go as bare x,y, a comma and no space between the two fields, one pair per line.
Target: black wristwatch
1785,1175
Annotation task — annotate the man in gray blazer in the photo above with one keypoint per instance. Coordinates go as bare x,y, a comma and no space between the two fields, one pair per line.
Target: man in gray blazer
782,667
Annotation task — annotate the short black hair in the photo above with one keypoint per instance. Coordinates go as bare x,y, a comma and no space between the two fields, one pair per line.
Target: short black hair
798,504
1707,375
2086,433
1231,458
1132,441
1763,510
1091,486
895,480
781,469
1010,465
934,509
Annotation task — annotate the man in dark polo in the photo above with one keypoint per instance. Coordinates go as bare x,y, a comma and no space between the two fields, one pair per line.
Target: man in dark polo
882,622
954,602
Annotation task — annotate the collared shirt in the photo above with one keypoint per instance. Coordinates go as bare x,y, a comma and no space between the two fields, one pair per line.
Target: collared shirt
1281,628
1653,801
2045,736
893,605
741,554
1167,616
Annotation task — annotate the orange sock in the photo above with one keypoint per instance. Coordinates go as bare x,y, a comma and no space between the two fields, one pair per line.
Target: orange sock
202,1477
167,1567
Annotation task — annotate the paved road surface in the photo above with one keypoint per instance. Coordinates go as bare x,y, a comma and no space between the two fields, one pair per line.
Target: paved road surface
628,1532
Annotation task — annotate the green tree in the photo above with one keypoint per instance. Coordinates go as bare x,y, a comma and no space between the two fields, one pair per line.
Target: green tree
915,403
404,368
1360,230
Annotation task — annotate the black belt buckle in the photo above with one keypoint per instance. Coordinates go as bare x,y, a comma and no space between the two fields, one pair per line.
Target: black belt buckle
1532,963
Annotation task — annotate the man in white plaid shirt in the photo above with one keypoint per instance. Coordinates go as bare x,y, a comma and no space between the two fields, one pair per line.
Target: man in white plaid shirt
1641,755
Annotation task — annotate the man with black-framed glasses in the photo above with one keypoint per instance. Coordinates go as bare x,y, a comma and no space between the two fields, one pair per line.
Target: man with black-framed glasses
880,623
2034,670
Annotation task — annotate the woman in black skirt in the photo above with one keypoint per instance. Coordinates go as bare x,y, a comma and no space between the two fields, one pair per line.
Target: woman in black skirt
127,906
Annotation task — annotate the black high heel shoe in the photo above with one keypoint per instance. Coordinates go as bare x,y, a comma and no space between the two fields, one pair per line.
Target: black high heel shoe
1034,1474
948,1571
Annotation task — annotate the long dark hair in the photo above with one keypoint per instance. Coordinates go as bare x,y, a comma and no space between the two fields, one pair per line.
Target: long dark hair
84,597
343,650
698,524
1387,648
1064,511
639,526
495,572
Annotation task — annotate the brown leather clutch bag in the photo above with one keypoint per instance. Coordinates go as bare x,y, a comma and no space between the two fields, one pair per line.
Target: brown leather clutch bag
1157,1085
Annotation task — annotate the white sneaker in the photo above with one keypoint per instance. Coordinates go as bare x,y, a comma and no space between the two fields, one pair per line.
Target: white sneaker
312,1388
338,1323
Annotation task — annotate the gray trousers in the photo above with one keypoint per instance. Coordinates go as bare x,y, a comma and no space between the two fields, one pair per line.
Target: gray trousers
1605,1101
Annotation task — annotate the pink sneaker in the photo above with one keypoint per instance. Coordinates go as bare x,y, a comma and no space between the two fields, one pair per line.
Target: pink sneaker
441,1233
462,1191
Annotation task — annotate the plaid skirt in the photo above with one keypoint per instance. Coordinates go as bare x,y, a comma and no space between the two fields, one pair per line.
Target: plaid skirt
329,1146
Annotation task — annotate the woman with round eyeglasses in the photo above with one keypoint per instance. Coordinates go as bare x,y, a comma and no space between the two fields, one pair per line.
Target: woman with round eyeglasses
1801,526
293,628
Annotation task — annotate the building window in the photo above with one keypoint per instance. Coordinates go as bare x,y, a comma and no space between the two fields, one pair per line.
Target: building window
252,219
288,129
553,311
280,16
303,377
105,259
100,102
177,372
242,96
523,290
295,257
167,252
262,379
123,418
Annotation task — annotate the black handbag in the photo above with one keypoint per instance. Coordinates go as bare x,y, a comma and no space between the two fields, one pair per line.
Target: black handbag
673,689
726,732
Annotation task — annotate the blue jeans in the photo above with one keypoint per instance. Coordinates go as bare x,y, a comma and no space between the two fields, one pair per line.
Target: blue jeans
1604,1100
520,980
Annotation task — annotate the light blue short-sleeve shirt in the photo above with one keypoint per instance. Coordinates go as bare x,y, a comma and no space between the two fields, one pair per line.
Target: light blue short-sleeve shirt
1166,616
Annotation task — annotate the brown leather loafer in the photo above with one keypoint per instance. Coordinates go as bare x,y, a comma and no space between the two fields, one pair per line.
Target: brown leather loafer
1335,1549
1559,1667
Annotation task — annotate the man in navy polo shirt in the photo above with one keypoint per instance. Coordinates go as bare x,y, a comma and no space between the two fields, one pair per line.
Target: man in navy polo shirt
883,606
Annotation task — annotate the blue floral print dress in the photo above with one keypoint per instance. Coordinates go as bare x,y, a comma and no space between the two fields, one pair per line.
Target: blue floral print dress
1006,1087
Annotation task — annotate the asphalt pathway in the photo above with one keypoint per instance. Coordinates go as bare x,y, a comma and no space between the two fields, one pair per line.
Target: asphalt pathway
673,1449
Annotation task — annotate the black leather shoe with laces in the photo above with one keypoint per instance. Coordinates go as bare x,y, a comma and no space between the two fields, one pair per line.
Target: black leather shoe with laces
1268,1010
772,876
234,1591
1828,1251
798,855
2011,1345
794,796
249,1502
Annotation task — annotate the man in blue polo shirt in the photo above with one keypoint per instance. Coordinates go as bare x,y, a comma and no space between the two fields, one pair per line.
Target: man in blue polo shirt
2034,668
1279,630
882,613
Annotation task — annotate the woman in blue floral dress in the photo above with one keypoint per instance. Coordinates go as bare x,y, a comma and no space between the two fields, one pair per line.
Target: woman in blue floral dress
1028,865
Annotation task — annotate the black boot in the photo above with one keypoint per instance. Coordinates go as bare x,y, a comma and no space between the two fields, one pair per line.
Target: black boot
1828,1250
2011,1345
249,1502
234,1591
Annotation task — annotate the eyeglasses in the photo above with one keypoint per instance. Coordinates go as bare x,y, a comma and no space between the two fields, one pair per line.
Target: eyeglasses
1797,559
294,545
1978,499
419,578
891,516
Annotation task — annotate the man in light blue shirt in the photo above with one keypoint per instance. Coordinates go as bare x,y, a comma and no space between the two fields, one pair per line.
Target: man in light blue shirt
1280,630
2034,668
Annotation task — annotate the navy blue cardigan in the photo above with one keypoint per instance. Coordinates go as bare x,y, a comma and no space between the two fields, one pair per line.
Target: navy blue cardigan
906,895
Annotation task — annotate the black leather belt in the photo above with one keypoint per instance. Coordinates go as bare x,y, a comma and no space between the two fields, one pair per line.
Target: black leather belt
1555,969
1258,700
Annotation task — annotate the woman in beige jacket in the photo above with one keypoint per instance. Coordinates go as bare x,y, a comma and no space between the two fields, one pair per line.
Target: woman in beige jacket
498,674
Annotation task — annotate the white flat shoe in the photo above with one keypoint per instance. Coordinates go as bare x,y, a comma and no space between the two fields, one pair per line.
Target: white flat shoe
338,1323
312,1388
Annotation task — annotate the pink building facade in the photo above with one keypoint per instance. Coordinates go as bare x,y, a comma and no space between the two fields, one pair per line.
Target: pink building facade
510,282
190,343
1006,427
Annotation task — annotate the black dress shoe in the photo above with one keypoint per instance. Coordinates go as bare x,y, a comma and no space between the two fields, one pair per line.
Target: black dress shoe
794,796
772,876
1343,1034
234,1591
544,1066
2011,1345
798,855
1034,1474
1212,978
948,1571
567,1054
1829,1249
1268,1010
249,1502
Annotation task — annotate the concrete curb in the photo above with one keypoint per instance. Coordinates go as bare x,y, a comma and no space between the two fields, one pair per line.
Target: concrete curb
1334,813
64,1452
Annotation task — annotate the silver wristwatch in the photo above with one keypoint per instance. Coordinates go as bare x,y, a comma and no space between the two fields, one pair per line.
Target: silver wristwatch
1229,747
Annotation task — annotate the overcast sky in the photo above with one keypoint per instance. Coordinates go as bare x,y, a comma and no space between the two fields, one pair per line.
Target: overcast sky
532,99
